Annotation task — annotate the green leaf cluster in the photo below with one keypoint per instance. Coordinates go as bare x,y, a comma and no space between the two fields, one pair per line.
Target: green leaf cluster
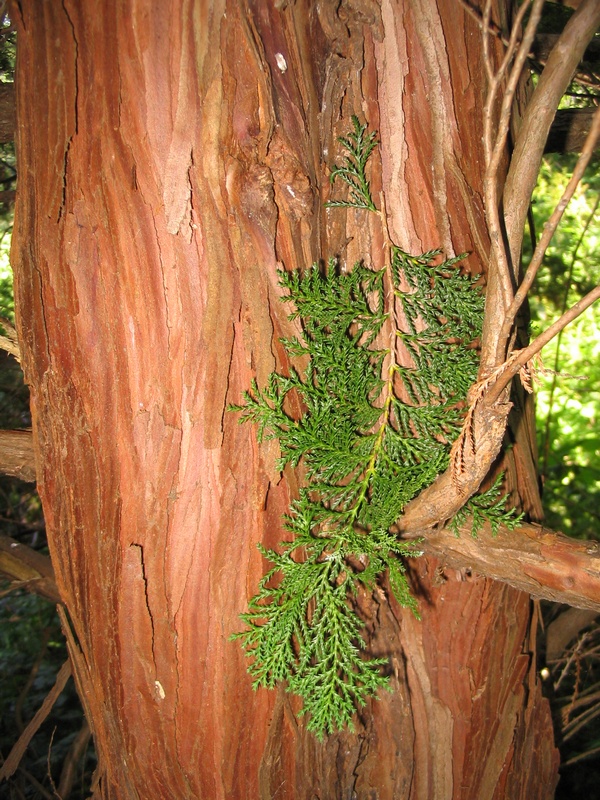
372,434
358,145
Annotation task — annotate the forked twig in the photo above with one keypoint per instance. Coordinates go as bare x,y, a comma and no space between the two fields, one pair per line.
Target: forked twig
498,366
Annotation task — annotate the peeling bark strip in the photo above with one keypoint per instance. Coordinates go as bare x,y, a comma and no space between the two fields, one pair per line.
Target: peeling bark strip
168,165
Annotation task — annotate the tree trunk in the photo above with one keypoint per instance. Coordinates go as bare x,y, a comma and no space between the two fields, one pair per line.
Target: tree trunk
171,158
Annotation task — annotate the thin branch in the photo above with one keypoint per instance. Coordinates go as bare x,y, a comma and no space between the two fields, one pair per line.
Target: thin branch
486,25
495,151
581,757
576,724
33,672
574,655
590,695
496,131
550,227
521,357
32,570
16,754
537,63
584,704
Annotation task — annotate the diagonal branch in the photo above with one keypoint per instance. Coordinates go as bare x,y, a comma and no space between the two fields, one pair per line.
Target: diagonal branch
19,748
27,569
520,357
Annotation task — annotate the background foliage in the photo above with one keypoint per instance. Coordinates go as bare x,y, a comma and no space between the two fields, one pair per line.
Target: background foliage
568,409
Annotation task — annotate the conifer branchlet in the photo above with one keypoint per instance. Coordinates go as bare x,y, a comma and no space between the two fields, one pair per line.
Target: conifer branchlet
373,435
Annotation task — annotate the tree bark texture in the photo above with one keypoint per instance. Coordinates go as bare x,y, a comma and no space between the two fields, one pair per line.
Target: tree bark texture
172,157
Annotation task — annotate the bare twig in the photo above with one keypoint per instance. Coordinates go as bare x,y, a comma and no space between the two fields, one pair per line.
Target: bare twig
31,678
55,794
569,661
32,570
579,722
590,695
16,754
537,63
516,54
496,131
581,757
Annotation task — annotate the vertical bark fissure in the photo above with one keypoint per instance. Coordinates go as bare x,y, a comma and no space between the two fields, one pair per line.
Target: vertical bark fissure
75,111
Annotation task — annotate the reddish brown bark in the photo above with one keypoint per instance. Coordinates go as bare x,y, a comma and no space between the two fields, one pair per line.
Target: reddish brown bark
171,158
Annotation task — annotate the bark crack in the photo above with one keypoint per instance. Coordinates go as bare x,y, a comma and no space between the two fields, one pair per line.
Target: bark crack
140,552
65,167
